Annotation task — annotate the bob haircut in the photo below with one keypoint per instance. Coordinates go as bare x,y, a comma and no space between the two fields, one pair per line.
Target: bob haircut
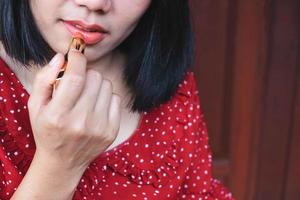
159,51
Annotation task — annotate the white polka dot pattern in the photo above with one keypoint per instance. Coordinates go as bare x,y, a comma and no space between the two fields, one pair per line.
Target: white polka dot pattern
167,157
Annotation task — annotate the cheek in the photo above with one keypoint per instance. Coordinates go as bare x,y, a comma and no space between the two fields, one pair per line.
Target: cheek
44,10
130,12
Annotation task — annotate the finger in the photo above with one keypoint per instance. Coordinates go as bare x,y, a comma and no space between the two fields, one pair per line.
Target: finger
43,82
71,84
104,98
91,90
114,114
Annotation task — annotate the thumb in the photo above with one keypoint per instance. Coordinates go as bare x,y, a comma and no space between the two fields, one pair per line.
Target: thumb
43,83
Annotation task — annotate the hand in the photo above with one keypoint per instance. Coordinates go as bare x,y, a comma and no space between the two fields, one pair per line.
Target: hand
81,120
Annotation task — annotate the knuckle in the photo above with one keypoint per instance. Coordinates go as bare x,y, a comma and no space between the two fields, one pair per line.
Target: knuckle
78,129
53,121
96,76
79,57
75,80
107,85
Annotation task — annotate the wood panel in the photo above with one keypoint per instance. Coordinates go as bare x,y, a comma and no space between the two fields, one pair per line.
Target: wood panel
276,133
210,67
247,68
211,51
292,182
247,93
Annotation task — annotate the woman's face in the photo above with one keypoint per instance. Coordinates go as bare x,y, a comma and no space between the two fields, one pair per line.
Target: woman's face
104,24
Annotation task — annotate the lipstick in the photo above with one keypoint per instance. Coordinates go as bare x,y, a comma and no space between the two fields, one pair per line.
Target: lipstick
76,43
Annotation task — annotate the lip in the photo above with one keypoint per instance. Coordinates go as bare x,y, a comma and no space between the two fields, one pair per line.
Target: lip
92,33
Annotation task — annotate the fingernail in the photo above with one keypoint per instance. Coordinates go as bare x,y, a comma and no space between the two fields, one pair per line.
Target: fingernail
55,61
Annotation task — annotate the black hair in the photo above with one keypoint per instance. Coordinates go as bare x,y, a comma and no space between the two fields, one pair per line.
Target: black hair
159,51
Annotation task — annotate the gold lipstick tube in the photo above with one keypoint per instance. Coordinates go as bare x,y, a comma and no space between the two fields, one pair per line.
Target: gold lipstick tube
76,43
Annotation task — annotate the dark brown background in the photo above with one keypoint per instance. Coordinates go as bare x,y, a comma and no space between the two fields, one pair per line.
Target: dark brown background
247,67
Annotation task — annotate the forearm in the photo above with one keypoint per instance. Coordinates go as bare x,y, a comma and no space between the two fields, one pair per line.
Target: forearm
47,181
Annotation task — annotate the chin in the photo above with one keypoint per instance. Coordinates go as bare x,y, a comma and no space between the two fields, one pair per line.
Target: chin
93,55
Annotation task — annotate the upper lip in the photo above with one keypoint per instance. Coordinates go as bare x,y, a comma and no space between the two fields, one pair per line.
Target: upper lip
90,27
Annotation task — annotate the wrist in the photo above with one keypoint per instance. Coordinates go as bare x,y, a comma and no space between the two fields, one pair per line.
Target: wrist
54,165
62,180
48,179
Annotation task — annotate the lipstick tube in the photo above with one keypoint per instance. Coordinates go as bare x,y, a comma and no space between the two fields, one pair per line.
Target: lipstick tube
76,43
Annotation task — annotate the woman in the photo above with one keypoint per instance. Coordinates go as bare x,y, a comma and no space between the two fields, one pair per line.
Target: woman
125,121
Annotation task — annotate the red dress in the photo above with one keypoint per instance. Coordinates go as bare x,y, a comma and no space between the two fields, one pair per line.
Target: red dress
167,157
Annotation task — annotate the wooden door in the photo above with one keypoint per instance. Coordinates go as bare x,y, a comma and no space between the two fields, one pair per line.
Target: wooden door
247,68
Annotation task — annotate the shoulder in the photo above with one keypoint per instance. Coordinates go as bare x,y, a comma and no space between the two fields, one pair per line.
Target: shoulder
193,134
187,102
188,94
181,116
180,122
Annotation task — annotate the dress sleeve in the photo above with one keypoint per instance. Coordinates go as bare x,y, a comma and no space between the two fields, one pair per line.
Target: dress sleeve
198,183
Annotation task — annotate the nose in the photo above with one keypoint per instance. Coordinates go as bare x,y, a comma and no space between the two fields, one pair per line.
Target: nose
95,5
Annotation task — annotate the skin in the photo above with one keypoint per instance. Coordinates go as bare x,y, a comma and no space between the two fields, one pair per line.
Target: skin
84,117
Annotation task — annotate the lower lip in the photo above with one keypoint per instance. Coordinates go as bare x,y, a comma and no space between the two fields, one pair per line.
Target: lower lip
88,37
